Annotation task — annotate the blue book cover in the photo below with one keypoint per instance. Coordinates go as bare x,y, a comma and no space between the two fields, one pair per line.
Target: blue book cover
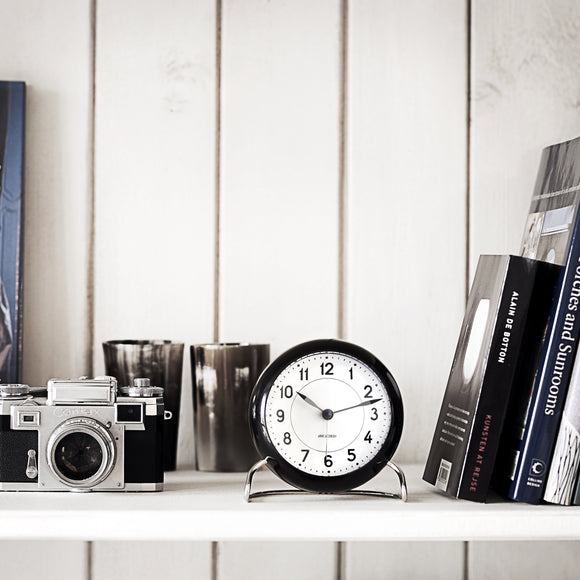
552,234
12,114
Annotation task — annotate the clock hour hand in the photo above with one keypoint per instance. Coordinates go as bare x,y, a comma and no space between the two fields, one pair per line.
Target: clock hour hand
370,402
310,402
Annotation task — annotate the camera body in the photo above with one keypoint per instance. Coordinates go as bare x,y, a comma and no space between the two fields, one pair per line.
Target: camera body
81,435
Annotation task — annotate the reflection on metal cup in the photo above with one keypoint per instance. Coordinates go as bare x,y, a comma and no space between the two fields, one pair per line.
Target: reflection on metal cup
224,375
161,361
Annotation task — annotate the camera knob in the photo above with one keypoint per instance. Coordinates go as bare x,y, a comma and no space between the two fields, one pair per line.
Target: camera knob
141,382
141,388
14,391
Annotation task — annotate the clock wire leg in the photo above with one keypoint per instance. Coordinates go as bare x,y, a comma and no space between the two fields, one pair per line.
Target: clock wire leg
249,478
248,495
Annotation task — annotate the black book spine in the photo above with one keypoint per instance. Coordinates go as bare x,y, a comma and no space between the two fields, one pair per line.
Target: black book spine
498,379
538,314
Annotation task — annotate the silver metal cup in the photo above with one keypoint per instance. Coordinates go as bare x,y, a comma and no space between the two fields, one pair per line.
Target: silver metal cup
161,361
224,375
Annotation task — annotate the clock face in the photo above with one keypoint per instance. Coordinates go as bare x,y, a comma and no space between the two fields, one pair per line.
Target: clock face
328,413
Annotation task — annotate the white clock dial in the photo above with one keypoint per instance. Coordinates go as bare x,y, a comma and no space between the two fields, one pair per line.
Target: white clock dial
328,414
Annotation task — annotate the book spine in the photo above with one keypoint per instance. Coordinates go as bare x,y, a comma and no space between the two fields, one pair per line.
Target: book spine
547,275
576,495
566,458
497,383
551,382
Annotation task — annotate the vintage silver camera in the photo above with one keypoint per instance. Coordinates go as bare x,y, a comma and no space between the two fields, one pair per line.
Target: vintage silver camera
82,435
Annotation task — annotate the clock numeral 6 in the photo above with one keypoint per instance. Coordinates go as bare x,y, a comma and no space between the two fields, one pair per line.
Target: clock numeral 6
328,460
287,438
286,392
351,455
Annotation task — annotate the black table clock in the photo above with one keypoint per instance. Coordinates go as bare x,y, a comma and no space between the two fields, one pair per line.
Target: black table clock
326,416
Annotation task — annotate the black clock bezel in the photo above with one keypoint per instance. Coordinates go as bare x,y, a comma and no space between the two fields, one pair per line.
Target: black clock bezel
289,473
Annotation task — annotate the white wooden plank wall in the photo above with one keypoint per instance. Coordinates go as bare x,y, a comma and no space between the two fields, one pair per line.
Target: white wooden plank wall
277,171
525,94
154,177
405,200
406,184
49,46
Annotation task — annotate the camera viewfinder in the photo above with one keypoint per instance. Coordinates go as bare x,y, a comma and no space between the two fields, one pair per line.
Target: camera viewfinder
132,413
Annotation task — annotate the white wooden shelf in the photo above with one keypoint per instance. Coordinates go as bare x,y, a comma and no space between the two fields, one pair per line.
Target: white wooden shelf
204,506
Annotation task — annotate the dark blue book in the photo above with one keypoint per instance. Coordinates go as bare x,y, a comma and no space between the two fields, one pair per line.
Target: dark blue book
12,117
553,234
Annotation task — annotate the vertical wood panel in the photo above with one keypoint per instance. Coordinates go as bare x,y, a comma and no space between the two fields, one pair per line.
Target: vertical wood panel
154,561
279,171
378,560
407,197
49,47
529,560
525,96
279,194
46,560
155,136
280,560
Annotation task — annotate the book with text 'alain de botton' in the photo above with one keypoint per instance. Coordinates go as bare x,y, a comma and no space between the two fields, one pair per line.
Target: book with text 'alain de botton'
501,312
552,233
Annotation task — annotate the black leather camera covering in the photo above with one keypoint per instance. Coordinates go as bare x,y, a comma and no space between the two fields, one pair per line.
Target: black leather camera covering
14,447
140,447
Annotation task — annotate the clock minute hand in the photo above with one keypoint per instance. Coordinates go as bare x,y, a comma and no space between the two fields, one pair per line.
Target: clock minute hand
370,402
310,402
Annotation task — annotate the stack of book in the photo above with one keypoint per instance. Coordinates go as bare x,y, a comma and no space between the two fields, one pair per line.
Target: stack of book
510,418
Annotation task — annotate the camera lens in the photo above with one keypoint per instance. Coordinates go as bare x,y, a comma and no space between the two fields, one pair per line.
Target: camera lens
81,452
78,456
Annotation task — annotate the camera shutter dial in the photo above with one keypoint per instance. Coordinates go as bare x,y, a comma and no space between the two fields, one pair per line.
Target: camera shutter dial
14,391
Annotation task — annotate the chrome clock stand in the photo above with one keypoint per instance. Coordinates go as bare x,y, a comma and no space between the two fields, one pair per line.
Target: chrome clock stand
249,496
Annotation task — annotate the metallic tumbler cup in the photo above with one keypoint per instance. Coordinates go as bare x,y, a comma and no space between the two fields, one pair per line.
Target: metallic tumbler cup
162,362
224,375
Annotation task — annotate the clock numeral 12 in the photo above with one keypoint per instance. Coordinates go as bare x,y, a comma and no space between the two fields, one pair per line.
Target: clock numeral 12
326,368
